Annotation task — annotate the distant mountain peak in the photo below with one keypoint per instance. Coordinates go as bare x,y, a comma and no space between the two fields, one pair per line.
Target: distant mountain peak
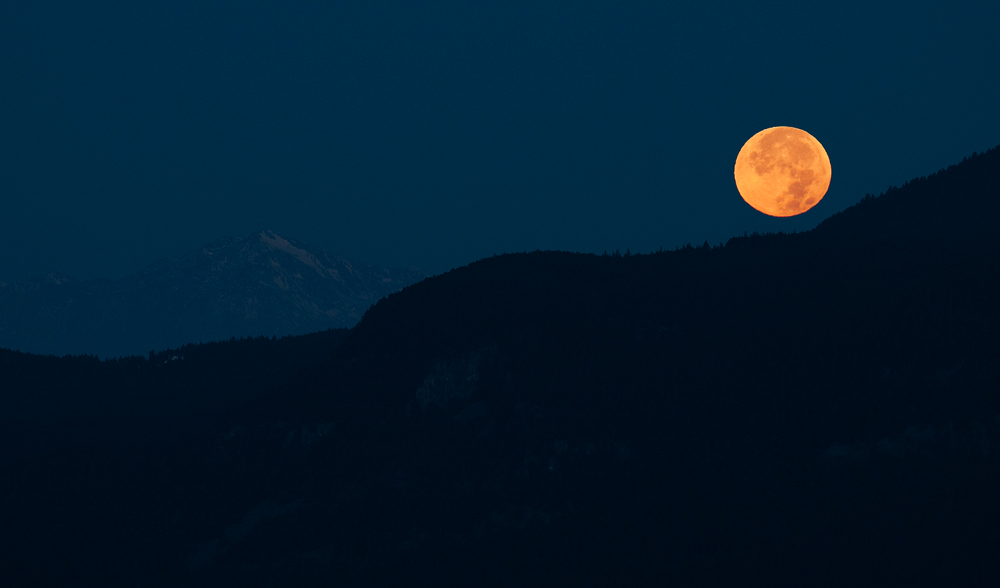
260,284
279,243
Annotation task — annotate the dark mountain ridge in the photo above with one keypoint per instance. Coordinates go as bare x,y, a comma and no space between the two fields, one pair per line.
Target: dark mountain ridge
817,408
262,284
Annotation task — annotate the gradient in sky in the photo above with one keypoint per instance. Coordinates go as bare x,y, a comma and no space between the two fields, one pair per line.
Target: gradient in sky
437,133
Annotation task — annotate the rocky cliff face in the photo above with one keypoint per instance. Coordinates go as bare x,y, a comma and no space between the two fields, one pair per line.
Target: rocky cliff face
262,284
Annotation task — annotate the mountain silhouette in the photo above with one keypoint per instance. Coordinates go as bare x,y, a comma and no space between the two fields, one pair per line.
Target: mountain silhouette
804,409
262,284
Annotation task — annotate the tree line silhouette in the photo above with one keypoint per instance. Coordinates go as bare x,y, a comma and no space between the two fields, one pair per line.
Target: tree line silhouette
796,409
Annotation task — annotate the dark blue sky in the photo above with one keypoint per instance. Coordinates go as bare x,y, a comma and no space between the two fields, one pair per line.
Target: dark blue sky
437,133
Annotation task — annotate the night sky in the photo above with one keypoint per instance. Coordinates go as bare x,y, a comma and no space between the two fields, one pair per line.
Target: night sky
437,133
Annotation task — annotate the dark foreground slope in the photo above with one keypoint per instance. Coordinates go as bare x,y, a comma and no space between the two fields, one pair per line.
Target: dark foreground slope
90,451
809,409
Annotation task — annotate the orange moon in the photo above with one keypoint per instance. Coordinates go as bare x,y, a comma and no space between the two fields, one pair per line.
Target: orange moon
782,171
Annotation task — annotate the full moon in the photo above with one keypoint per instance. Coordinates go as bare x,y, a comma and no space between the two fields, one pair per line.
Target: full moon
782,171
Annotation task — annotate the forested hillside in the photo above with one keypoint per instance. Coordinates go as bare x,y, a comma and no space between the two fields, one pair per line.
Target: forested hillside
805,409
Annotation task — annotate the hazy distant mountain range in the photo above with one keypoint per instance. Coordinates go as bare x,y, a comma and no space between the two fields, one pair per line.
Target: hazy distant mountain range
262,284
